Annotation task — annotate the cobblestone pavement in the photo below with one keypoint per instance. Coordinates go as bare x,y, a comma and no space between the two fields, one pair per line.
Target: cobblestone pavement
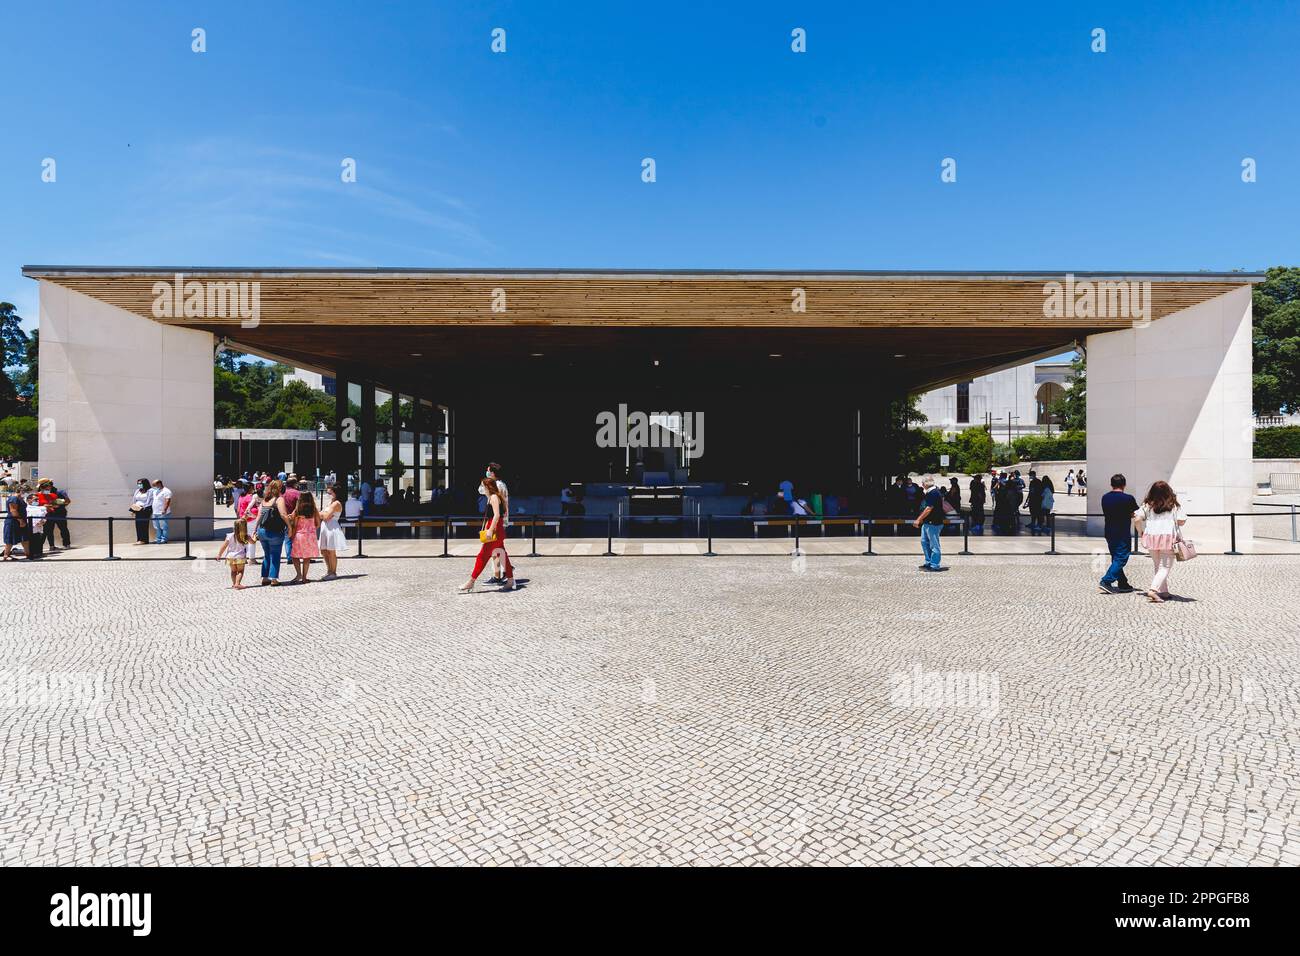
643,710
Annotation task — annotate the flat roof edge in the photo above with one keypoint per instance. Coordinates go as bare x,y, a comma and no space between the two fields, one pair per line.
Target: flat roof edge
44,271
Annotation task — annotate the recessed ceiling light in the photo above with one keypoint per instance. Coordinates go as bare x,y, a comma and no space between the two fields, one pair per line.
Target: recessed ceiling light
536,354
416,354
656,361
900,355
773,354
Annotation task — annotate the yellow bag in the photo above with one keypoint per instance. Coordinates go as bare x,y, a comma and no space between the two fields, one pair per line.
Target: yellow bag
486,536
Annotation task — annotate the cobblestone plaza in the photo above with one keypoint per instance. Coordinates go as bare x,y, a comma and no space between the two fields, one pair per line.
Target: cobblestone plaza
651,710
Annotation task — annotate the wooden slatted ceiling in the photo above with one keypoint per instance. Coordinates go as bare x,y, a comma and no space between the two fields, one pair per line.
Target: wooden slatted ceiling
628,299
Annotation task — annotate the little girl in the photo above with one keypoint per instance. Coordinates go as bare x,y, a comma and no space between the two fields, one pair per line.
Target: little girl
235,549
304,528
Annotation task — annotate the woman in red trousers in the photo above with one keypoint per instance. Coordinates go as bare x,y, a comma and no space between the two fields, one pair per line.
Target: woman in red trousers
493,538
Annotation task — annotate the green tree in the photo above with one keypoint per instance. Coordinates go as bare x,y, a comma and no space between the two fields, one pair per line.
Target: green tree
28,381
18,437
298,405
14,344
12,336
974,451
1071,409
1276,303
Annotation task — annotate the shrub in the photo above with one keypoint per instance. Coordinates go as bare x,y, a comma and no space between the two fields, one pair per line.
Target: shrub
1067,446
923,449
974,451
1278,442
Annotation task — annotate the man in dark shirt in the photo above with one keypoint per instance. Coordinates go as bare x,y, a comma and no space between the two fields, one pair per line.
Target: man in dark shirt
930,521
1118,507
1035,503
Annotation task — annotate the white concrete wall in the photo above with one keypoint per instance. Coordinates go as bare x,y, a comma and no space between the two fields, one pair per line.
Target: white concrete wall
125,398
1010,391
1172,401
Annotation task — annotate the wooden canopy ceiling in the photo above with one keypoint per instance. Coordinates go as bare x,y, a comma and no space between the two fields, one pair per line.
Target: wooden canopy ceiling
918,329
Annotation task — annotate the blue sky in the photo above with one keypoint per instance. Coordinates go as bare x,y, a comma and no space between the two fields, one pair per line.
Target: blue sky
1066,159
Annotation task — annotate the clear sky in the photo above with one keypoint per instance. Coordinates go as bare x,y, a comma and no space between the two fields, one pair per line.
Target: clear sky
1066,158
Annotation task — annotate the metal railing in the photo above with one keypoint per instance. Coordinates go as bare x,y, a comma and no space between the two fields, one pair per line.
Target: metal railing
692,527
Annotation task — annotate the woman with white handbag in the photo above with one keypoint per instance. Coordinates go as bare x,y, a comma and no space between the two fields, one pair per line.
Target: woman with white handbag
1161,520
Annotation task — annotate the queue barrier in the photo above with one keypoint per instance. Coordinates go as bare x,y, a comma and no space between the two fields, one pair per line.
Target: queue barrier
796,527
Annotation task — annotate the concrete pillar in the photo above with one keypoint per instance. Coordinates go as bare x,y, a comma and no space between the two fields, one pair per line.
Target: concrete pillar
123,397
339,461
1172,400
367,431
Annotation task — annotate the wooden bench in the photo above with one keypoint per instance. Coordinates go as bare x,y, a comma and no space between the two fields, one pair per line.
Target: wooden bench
515,523
854,523
819,523
894,523
539,522
788,523
381,523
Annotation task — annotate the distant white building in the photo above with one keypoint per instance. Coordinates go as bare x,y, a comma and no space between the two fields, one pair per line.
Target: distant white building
1014,401
324,383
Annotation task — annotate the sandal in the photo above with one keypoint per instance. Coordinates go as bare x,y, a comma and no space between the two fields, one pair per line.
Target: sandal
1155,598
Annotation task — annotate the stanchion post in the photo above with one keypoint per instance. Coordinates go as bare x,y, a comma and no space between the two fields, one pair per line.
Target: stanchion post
709,525
609,536
1232,520
1051,524
965,535
871,526
111,555
534,551
188,556
361,533
446,530
796,535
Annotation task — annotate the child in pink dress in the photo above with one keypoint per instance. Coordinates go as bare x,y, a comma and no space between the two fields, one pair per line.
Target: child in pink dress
305,529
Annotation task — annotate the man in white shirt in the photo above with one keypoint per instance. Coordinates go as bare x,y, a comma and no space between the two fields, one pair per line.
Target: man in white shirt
161,502
493,471
352,509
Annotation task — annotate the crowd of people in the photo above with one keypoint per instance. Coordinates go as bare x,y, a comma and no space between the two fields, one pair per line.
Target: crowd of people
280,518
285,521
34,514
1159,519
1008,492
374,497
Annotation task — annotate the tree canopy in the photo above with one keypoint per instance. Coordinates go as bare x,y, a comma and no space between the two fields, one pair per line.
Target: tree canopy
1277,342
251,394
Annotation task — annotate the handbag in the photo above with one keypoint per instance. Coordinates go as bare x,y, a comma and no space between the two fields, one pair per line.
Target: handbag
485,536
1184,550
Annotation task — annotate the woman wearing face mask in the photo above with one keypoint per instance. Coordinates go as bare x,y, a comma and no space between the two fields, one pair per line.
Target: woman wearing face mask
493,538
142,508
493,471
